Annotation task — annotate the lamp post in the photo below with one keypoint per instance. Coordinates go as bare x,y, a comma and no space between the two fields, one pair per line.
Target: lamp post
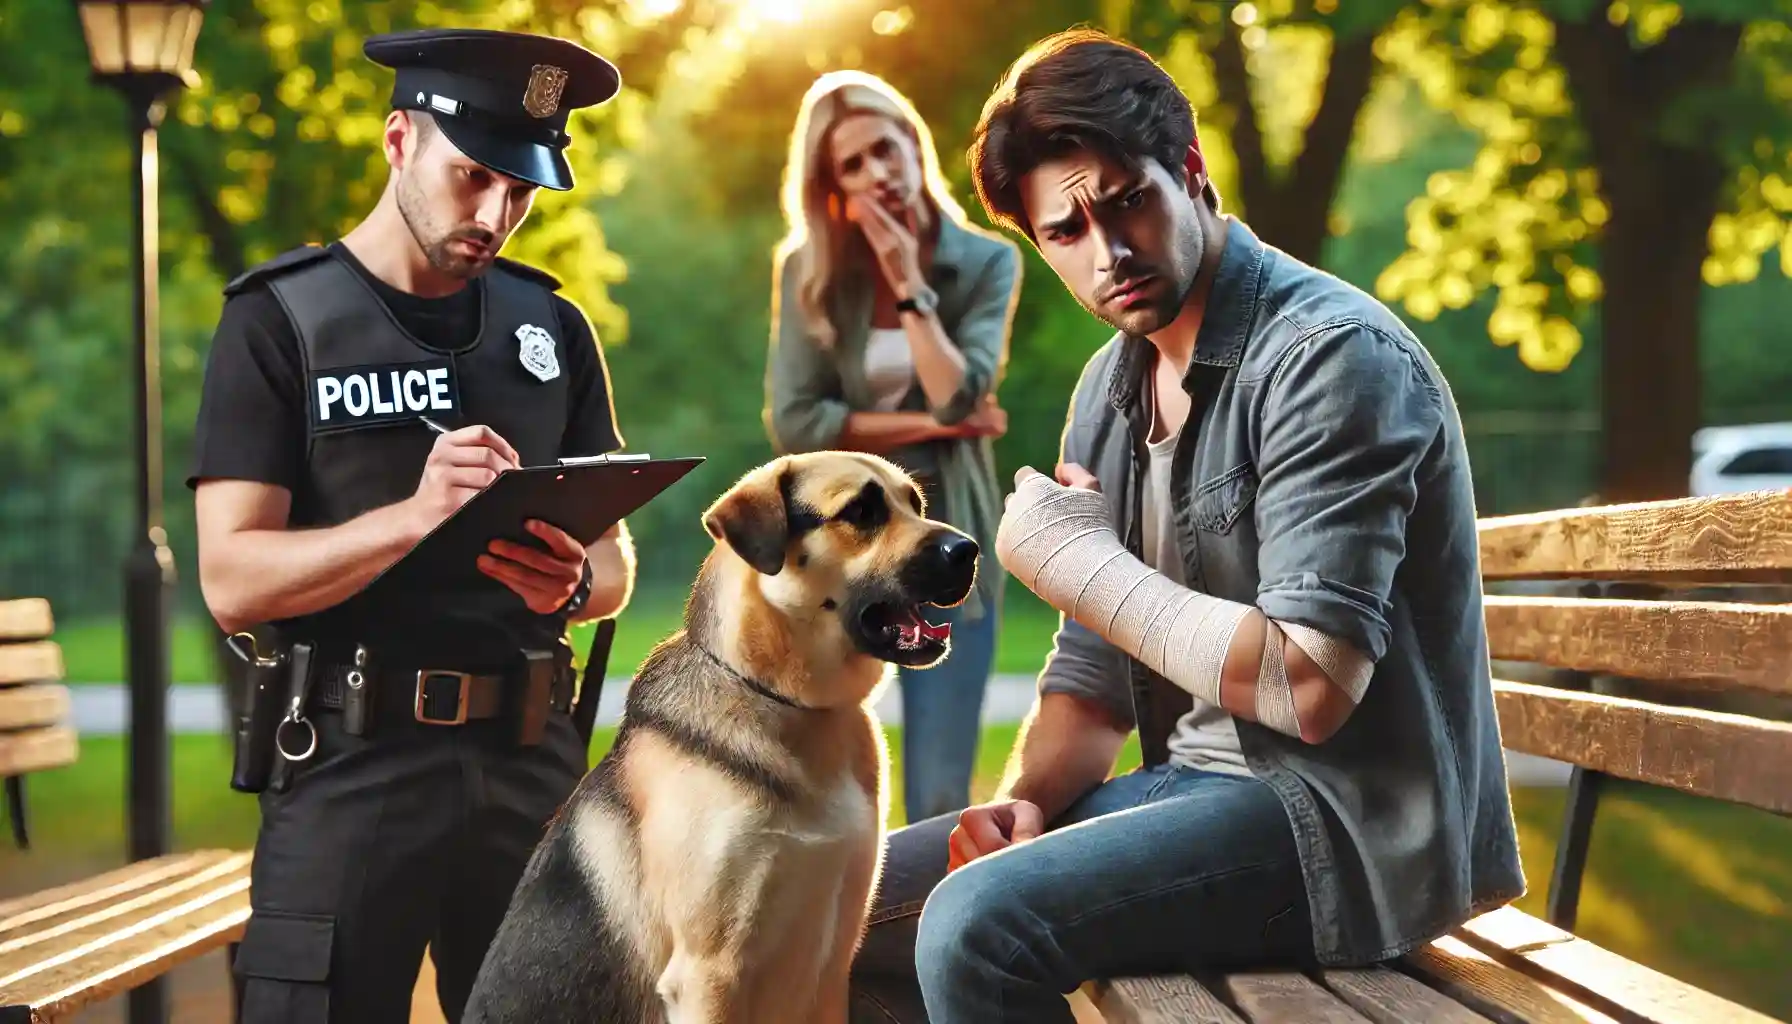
144,49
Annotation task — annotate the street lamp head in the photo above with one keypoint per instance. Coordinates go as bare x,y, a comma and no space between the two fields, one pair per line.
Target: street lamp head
142,45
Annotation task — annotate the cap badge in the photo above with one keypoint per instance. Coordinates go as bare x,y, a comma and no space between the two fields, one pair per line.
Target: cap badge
546,83
537,352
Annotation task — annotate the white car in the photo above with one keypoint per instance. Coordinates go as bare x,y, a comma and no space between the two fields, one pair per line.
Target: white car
1753,457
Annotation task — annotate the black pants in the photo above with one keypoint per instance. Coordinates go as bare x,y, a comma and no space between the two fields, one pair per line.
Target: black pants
383,845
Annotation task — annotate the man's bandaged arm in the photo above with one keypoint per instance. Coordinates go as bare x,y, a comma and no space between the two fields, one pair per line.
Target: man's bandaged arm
1289,677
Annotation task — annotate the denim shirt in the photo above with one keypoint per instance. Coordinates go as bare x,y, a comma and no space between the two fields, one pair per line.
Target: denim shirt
1323,478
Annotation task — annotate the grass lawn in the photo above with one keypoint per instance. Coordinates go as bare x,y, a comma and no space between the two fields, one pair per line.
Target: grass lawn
94,650
1697,889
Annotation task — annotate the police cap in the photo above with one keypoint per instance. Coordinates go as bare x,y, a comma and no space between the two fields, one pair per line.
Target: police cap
502,98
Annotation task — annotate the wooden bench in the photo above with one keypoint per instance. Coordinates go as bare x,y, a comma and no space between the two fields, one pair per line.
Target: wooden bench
70,947
35,729
1507,966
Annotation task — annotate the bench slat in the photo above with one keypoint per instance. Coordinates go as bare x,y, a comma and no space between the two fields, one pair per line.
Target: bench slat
35,704
189,932
1748,644
1737,538
1287,997
39,661
1389,997
19,911
25,618
1559,958
34,750
1501,993
1707,753
54,927
1159,999
106,938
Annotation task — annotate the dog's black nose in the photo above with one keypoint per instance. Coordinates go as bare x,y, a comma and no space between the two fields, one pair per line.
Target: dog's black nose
958,553
944,569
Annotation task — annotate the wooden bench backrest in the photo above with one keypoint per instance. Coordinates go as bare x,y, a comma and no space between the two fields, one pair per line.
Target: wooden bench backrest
1695,644
34,708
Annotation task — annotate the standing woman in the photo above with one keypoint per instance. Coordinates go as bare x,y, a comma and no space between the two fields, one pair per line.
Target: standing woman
890,322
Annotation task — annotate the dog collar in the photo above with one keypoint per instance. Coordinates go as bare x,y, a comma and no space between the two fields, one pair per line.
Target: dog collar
753,684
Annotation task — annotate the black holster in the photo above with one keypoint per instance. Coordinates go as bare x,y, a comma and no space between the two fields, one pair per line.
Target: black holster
277,686
265,683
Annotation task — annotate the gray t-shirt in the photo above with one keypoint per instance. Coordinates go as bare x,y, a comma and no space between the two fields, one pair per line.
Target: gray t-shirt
1205,737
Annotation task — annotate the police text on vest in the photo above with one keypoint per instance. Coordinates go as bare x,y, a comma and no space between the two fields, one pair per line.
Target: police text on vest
361,394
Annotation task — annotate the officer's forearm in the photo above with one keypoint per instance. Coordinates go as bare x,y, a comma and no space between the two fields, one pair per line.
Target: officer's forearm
253,570
612,574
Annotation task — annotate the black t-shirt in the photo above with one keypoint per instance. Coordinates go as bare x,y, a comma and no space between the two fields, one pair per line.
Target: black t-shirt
253,409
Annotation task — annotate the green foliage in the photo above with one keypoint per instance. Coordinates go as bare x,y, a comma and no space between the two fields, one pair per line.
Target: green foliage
667,241
1524,218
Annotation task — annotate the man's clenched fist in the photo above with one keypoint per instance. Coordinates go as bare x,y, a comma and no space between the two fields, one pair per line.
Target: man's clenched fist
986,828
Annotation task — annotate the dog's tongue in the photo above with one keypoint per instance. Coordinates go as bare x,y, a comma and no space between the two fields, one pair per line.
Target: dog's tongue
917,627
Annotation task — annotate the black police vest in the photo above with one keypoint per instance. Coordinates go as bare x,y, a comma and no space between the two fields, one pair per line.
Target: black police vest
368,382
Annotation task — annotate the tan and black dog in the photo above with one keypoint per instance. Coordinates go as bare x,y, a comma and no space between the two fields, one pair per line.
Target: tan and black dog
717,865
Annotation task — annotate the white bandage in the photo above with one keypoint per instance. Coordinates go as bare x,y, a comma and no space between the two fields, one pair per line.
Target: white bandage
1057,541
1275,698
1341,663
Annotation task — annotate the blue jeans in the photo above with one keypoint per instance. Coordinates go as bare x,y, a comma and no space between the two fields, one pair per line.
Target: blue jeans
1160,870
942,717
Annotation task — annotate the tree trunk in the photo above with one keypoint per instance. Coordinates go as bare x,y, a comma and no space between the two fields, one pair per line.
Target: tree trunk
1291,210
1662,198
1655,244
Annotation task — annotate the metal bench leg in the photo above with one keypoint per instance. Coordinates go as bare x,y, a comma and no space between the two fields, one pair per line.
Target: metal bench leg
15,805
148,1002
1571,851
236,985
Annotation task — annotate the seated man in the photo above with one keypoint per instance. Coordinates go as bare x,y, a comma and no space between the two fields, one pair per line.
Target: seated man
1262,540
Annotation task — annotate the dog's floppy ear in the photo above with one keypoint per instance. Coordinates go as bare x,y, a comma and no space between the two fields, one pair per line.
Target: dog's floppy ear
754,519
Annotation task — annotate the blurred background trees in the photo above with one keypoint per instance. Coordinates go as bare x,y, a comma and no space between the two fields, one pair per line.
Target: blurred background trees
1581,207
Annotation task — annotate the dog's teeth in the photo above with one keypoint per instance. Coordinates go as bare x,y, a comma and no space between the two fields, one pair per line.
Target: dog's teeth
911,635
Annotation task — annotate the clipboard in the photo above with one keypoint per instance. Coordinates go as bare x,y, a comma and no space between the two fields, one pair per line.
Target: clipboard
583,496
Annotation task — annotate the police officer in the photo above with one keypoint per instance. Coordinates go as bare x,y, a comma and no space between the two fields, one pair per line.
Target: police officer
431,741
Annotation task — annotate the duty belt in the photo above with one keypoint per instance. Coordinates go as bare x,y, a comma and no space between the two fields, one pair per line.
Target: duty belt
436,696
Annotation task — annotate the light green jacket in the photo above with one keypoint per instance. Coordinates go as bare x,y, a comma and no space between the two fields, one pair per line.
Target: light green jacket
810,392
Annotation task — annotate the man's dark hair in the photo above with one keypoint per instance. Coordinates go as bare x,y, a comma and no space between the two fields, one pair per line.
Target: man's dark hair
1078,89
424,124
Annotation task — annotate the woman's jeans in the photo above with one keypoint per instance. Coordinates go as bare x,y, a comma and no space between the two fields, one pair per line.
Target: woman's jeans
942,716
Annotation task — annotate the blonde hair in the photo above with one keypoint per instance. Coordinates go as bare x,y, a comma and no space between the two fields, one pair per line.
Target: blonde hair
811,247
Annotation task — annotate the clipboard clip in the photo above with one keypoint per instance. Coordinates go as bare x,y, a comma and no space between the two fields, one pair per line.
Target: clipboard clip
598,460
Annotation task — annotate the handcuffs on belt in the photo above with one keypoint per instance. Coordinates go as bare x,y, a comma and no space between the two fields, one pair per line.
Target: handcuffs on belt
257,726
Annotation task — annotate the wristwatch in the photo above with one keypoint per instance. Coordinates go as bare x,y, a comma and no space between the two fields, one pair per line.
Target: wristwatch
580,594
923,302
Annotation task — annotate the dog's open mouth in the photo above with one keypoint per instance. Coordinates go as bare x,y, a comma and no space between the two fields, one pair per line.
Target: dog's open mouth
903,631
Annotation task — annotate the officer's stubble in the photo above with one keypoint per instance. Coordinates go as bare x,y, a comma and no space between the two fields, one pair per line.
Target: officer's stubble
416,208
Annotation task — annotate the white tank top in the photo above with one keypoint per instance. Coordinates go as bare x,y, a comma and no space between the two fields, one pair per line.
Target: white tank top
1205,737
889,367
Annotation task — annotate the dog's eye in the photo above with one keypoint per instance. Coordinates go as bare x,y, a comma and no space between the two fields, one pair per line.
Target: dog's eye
866,510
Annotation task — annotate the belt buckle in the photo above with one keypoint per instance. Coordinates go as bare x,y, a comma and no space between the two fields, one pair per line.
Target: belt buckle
424,678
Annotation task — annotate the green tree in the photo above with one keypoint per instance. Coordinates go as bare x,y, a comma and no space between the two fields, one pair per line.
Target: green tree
1284,82
1632,153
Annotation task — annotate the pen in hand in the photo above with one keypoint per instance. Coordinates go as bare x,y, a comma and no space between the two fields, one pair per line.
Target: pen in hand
486,439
